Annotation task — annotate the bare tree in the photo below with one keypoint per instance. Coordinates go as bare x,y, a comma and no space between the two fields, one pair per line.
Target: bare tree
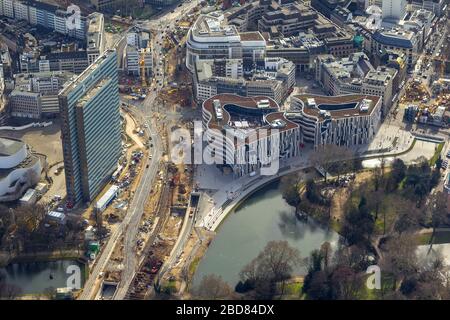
212,287
273,265
331,155
399,257
438,208
345,283
8,291
290,190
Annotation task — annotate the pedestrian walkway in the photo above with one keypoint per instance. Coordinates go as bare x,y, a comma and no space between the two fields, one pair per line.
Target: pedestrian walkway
223,192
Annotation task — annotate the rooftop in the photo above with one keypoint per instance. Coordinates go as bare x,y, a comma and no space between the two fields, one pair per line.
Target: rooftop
395,37
9,146
87,96
82,76
251,36
95,30
230,111
338,106
212,26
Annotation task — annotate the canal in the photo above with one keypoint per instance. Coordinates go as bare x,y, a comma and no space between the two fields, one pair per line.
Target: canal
35,277
263,217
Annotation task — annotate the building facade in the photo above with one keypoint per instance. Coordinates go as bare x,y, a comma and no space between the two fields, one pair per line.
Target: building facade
20,169
247,134
274,78
347,120
42,14
91,129
210,38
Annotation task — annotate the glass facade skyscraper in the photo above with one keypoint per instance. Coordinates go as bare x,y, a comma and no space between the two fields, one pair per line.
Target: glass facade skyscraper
91,128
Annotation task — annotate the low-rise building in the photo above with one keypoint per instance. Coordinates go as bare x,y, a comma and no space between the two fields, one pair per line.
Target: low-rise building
405,41
274,78
379,82
435,6
287,20
211,38
247,134
347,120
45,15
36,94
95,36
25,104
20,169
342,76
139,57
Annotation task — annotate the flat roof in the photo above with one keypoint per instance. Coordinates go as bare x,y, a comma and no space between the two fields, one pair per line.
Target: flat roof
251,36
111,192
344,100
91,92
246,103
82,76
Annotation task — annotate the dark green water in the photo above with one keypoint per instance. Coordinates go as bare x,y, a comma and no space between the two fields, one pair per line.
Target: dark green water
263,217
34,277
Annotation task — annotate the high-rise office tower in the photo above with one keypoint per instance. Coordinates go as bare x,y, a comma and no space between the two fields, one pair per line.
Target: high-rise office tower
91,129
395,9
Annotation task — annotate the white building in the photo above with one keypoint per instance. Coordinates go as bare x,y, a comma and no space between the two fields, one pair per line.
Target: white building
273,78
394,9
60,22
95,36
42,14
8,8
211,38
21,11
19,169
137,56
379,82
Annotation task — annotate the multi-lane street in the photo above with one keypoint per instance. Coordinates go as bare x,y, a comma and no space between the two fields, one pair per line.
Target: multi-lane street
130,224
144,114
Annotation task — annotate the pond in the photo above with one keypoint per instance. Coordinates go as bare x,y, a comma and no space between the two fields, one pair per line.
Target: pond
35,277
263,217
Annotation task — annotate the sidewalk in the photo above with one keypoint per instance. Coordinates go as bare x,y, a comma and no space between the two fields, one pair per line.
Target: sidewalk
223,192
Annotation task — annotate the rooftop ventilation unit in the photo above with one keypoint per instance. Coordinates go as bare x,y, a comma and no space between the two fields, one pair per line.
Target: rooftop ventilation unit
364,105
218,109
311,102
263,104
278,123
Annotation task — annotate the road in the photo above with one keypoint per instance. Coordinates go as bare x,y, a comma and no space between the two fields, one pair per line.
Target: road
136,209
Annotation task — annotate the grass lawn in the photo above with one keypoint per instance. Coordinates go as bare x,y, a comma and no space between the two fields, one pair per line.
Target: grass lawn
293,289
376,294
437,152
439,238
169,287
193,266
